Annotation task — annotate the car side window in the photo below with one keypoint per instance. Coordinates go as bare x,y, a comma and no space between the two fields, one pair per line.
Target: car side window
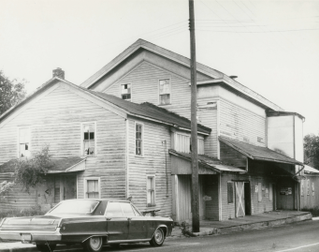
114,210
127,209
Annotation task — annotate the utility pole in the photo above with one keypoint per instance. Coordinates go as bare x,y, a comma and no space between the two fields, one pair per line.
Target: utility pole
195,190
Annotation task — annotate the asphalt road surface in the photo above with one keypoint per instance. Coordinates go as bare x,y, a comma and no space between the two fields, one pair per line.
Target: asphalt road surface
298,237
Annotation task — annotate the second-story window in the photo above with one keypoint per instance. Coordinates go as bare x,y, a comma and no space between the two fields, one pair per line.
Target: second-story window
88,138
164,92
24,142
126,91
139,139
182,143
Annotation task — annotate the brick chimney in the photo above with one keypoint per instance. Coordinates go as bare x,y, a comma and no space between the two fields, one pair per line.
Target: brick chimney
58,72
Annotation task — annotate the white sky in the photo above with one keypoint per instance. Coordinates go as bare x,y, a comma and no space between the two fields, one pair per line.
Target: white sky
272,46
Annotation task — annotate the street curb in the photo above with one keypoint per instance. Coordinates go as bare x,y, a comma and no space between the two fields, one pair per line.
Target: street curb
249,226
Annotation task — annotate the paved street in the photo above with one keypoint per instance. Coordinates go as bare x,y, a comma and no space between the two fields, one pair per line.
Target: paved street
297,237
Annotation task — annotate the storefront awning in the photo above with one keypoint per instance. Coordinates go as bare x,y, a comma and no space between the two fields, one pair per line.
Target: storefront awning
258,152
207,165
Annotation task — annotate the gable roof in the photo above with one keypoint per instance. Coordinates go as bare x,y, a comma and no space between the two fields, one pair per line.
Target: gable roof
216,76
146,111
150,111
258,152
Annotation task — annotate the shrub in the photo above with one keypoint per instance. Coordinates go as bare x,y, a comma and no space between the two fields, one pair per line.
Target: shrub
31,172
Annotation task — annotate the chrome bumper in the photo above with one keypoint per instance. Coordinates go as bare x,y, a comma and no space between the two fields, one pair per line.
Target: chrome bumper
28,236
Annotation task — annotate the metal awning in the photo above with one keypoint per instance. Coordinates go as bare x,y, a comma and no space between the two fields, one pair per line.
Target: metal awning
207,165
258,152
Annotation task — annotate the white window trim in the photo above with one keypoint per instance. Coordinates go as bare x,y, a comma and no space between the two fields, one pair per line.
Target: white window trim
81,139
85,185
170,91
18,139
128,83
143,139
154,184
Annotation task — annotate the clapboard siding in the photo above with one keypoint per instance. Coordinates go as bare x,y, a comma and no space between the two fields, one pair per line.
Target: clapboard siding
144,79
154,161
55,119
242,124
16,197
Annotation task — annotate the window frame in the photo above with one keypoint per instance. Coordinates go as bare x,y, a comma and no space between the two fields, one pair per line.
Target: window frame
28,128
86,193
141,140
165,93
82,139
151,190
230,193
130,93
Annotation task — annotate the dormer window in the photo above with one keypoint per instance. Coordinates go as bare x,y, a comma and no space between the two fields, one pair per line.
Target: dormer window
164,92
126,92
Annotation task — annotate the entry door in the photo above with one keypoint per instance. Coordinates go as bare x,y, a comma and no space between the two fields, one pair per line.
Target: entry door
240,199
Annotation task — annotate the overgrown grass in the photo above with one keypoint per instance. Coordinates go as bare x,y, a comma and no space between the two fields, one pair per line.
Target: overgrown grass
314,211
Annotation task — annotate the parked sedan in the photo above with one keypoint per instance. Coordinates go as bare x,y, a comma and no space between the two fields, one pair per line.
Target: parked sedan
90,222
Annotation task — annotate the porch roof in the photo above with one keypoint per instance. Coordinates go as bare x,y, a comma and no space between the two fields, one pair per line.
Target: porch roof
67,165
258,152
208,162
60,165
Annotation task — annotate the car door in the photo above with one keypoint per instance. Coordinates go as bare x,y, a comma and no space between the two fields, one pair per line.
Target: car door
136,222
117,223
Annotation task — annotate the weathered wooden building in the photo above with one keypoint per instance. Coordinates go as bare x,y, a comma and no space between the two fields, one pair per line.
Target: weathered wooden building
251,162
102,147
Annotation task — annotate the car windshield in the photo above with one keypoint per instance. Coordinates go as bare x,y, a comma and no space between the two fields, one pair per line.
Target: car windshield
75,207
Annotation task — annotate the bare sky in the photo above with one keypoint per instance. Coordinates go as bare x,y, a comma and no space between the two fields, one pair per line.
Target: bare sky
272,46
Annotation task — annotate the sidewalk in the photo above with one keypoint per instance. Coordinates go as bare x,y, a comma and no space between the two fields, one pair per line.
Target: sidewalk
258,221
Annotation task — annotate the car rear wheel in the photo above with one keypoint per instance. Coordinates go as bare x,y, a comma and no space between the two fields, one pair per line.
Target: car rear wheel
44,247
158,238
94,244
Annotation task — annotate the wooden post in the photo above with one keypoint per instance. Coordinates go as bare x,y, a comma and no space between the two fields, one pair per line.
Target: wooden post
195,189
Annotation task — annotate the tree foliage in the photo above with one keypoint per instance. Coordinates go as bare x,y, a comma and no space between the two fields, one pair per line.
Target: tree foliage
11,92
311,150
31,172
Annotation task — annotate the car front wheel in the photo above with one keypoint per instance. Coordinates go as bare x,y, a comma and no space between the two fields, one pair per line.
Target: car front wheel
158,238
94,244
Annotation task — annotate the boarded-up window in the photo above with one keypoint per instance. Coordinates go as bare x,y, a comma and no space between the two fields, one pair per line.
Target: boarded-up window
230,192
24,142
139,139
164,91
182,143
302,188
92,187
126,91
150,190
260,193
88,138
313,188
